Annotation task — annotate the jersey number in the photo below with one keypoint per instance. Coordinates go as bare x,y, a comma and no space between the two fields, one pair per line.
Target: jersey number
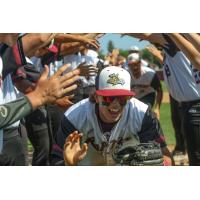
196,74
167,71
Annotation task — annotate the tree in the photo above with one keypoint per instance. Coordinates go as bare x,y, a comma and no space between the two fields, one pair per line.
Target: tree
123,53
101,55
110,46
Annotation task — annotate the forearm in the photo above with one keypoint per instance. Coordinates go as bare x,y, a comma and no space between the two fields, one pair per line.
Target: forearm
188,49
159,98
36,100
33,41
62,38
156,53
14,111
154,38
69,48
194,38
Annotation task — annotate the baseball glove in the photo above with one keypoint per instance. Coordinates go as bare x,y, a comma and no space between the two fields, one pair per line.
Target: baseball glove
144,154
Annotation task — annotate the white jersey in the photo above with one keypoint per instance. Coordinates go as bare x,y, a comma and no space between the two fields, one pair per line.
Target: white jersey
53,67
142,85
182,79
76,60
87,123
36,62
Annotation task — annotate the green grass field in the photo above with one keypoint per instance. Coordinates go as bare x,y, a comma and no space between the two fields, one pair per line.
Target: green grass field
164,87
165,120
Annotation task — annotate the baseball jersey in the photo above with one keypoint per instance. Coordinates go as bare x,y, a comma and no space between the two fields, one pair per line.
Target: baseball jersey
11,59
75,60
147,83
136,125
181,77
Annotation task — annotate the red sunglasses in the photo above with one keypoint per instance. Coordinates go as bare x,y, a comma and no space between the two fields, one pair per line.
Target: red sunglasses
107,100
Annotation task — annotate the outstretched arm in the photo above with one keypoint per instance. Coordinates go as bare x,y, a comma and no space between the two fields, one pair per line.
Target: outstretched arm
154,38
194,38
187,47
157,53
48,90
63,38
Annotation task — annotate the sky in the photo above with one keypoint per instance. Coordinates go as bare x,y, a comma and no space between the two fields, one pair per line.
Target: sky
123,43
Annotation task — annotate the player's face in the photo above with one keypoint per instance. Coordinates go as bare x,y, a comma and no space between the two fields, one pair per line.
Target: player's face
111,108
135,68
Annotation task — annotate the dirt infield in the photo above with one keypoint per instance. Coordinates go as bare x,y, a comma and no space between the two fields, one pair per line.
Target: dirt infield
165,97
181,160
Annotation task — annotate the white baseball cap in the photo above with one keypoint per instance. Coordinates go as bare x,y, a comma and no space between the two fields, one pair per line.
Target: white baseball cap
114,81
133,57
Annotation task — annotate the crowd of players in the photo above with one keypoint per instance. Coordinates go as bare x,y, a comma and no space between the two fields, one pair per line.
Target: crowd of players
75,107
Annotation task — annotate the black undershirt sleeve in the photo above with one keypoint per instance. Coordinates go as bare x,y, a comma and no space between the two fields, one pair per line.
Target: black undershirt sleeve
151,130
66,128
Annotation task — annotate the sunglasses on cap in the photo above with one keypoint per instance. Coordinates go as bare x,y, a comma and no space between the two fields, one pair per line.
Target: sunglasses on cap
107,100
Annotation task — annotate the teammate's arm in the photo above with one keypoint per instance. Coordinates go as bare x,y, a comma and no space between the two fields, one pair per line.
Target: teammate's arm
154,38
194,38
46,91
34,41
156,84
76,38
190,51
157,53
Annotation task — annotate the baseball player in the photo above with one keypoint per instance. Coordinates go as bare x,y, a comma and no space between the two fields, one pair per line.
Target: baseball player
11,59
108,120
183,82
145,82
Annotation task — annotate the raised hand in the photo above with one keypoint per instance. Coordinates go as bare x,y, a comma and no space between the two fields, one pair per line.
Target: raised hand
87,70
73,151
48,90
64,102
91,43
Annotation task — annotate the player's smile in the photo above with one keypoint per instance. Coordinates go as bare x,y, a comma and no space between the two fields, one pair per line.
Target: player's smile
112,112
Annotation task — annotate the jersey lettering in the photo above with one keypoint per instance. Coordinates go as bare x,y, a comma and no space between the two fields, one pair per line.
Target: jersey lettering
196,74
167,70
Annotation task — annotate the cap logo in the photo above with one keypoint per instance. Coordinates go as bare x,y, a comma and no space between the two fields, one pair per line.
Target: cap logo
115,80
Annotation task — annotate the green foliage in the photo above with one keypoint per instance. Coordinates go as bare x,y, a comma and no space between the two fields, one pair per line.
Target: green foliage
110,46
146,55
123,53
166,124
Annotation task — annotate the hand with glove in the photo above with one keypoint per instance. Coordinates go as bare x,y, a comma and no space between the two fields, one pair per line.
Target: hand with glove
144,154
